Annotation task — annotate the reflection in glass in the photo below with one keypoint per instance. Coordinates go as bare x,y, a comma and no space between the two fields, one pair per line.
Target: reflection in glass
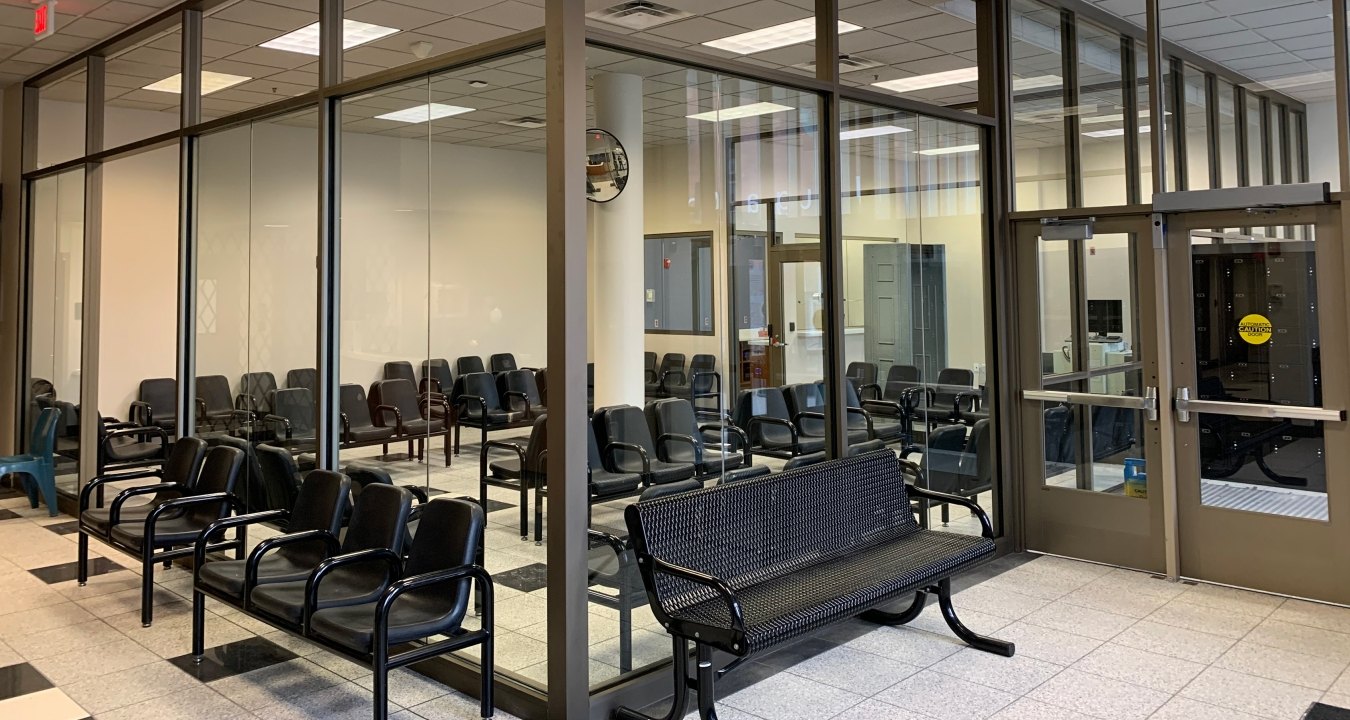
1197,128
1038,112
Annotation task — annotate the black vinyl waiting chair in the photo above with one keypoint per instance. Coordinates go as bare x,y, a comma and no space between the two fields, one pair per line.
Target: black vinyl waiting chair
670,374
863,377
502,362
468,364
252,488
629,447
807,403
480,406
649,367
603,483
519,390
680,439
429,596
378,526
885,420
521,471
436,376
943,453
256,392
900,380
763,414
940,404
156,405
396,404
358,427
172,528
307,378
318,511
125,445
400,370
216,411
293,418
177,477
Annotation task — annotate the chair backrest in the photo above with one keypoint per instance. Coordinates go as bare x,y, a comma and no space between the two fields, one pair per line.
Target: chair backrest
521,381
320,504
468,364
449,533
748,532
307,378
400,370
674,416
761,402
482,385
1057,421
251,488
541,382
502,362
956,376
184,464
593,459
668,489
864,373
353,402
942,455
535,452
161,394
805,397
649,361
280,476
296,404
438,371
903,374
214,392
399,394
625,424
977,465
672,361
379,519
702,369
39,387
258,386
43,442
220,472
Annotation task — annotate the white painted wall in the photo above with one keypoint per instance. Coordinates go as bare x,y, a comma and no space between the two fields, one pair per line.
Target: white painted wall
1323,145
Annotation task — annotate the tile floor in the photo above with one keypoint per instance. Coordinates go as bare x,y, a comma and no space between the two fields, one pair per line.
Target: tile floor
1092,642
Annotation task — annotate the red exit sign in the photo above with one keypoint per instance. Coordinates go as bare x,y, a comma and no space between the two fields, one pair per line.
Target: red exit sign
44,20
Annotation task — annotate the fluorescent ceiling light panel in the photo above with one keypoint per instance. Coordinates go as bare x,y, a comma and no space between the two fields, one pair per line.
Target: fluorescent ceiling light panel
1118,117
953,150
1114,132
873,131
211,82
1039,81
306,39
789,33
740,111
424,113
931,80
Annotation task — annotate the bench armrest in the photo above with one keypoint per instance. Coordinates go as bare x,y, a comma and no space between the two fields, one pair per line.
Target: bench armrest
986,527
185,502
115,513
272,543
392,593
657,566
238,521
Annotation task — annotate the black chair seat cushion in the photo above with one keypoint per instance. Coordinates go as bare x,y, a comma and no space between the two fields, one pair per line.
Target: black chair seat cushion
602,568
99,518
713,460
418,426
804,444
369,433
286,600
413,617
748,473
886,429
494,417
505,469
854,436
124,449
607,484
179,530
796,602
227,576
663,472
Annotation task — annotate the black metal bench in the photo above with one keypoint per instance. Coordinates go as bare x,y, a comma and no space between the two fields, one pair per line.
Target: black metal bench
746,567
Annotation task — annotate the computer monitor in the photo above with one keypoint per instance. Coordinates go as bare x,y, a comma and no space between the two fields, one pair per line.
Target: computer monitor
1106,317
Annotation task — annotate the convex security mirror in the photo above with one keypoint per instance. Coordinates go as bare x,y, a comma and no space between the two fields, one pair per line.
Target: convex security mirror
606,166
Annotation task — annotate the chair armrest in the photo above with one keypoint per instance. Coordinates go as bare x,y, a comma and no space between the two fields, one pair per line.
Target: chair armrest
729,427
517,394
199,550
273,543
665,438
436,399
657,566
114,514
393,569
865,387
438,577
665,375
770,420
986,527
500,445
183,502
887,407
101,480
105,444
608,455
867,416
140,413
380,410
201,407
615,543
464,400
716,385
274,419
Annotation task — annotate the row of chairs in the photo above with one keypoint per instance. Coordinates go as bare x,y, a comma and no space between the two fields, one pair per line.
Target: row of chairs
358,570
952,398
788,422
670,378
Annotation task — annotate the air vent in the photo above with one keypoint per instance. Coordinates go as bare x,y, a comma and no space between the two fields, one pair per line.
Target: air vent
638,14
531,123
847,64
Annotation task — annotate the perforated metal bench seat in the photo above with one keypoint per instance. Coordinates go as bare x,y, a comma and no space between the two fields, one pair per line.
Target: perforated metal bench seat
838,587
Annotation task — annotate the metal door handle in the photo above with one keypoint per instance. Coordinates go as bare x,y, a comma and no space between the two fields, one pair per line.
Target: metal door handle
1148,403
1185,406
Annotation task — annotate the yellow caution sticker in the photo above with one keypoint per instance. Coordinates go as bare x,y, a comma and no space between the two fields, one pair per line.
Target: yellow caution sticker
1255,329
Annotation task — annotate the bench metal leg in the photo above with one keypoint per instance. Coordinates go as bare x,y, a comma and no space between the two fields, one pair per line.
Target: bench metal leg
680,665
706,699
198,625
147,586
82,564
904,617
970,637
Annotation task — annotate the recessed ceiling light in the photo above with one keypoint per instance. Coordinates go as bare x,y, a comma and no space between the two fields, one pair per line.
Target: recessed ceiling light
931,80
306,39
953,150
1117,117
740,111
873,131
211,82
424,113
477,84
1039,81
789,33
530,123
1113,132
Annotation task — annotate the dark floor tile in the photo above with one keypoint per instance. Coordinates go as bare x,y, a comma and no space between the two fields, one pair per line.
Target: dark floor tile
53,574
21,679
1322,711
433,492
64,528
233,659
526,578
9,515
495,505
8,493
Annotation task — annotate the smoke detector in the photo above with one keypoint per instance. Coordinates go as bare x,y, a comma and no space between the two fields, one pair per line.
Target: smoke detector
420,49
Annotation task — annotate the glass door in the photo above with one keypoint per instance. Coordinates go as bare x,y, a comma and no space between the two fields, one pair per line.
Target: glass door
1259,340
796,315
1089,403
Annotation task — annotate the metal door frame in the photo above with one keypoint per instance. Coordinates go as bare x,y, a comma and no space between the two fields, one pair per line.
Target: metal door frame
1114,529
780,254
1281,554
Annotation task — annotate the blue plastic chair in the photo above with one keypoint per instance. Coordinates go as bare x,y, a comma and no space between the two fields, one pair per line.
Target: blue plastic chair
38,466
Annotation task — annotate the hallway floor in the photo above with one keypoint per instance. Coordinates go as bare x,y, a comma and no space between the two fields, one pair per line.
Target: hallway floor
1092,642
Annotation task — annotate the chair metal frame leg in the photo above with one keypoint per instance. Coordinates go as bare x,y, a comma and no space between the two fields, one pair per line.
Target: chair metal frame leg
380,664
970,637
148,563
904,617
680,667
82,559
198,625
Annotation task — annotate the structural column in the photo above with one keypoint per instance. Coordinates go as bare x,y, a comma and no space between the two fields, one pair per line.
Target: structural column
619,270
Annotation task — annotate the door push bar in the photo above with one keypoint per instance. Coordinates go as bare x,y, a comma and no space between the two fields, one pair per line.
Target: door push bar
1185,406
1148,403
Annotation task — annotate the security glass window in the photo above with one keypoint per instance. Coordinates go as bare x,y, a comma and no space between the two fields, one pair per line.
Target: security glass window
679,285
